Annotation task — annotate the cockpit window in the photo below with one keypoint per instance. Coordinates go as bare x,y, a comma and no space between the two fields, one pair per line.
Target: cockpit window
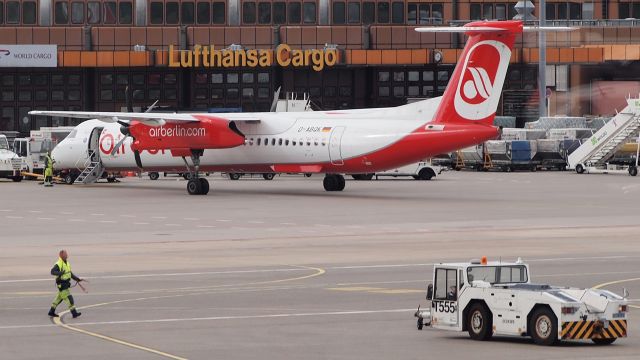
4,144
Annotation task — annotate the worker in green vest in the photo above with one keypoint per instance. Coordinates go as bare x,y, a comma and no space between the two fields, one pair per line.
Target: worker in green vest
48,171
62,271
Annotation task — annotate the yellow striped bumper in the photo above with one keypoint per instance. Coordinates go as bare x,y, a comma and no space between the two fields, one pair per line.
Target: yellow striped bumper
594,329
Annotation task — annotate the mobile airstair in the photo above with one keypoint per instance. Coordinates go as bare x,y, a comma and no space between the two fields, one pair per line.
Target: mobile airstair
594,153
93,169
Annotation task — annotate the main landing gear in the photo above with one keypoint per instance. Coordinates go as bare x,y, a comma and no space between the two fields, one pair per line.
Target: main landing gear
196,185
333,182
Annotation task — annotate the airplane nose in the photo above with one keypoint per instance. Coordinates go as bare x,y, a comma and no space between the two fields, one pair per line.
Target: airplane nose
57,155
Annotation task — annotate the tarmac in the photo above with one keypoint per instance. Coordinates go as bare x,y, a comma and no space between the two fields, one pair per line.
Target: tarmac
284,270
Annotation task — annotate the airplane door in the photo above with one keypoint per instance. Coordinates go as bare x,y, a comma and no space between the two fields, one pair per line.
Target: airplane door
94,143
335,153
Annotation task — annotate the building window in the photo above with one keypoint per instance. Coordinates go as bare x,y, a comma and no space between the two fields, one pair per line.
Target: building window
110,10
495,11
93,12
309,12
264,13
171,13
13,12
279,13
187,13
28,12
77,12
295,9
353,12
338,12
368,12
61,13
565,11
383,12
217,13
203,14
125,12
249,12
156,13
397,12
423,13
1,12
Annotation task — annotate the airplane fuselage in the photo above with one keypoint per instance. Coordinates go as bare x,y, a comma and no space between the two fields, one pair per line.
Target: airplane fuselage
340,141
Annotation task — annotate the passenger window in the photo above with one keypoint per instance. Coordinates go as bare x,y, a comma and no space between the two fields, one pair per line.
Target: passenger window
61,13
258,143
28,12
315,142
203,13
280,142
286,142
110,12
273,142
125,13
251,139
157,13
172,13
293,143
266,142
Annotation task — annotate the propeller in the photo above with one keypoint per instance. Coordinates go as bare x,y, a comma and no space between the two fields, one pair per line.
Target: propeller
124,126
276,96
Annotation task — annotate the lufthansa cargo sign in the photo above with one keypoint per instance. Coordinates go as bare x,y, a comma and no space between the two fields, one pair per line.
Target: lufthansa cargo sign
28,55
208,56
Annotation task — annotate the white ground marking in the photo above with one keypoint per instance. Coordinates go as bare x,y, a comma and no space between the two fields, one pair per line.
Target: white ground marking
6,210
218,318
255,222
46,218
140,223
206,226
66,213
127,216
159,217
75,220
223,220
14,217
172,225
192,219
35,211
97,214
287,223
107,221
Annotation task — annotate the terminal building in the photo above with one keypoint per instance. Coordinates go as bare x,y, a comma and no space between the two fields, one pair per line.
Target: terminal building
83,54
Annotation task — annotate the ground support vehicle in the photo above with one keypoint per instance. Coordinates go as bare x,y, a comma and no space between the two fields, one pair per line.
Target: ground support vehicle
423,170
34,148
497,298
11,165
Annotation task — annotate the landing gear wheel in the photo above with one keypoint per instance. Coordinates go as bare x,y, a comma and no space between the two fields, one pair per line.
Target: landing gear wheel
544,327
333,182
427,174
111,179
307,175
69,179
479,322
579,169
17,178
194,187
234,176
603,341
633,171
368,176
154,175
268,176
204,186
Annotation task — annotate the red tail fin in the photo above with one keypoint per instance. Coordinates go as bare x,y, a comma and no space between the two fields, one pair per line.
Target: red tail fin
474,90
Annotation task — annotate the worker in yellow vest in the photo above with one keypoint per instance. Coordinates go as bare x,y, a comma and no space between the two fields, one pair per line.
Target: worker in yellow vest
48,170
62,271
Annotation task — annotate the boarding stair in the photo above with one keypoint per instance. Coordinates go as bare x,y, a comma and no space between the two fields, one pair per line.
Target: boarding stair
597,150
93,169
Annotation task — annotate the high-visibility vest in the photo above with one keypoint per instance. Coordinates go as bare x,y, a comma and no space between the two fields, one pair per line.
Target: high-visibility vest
65,267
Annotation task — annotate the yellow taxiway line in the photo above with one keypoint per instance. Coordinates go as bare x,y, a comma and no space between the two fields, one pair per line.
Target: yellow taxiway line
618,282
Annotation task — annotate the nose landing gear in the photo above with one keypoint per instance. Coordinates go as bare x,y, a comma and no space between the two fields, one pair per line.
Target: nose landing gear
333,182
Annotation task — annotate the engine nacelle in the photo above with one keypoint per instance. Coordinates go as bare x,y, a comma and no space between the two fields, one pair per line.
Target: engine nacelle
208,133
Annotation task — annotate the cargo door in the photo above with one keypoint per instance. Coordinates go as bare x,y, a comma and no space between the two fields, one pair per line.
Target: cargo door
335,140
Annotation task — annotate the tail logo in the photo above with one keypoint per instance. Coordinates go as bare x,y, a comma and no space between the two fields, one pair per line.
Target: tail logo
478,91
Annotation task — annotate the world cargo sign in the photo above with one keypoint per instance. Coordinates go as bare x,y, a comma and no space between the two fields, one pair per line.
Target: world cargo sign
208,56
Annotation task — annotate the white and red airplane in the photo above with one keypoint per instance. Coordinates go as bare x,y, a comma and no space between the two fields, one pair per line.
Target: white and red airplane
330,142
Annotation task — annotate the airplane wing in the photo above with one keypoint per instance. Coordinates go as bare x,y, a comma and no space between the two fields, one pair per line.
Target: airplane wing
146,118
